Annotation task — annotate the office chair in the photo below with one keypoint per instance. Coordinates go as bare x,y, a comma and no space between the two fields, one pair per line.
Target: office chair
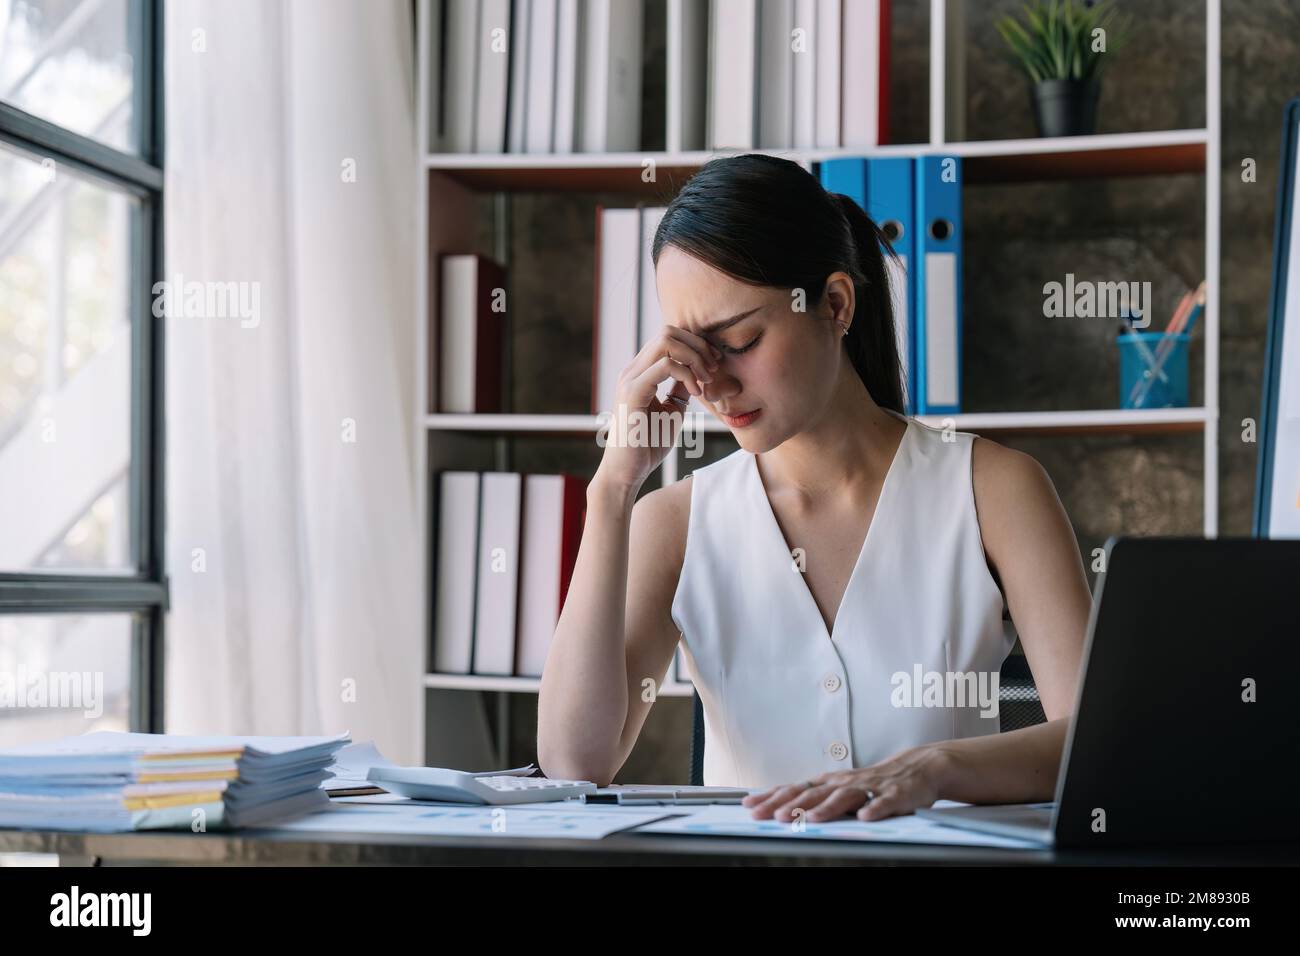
1018,703
697,742
1018,706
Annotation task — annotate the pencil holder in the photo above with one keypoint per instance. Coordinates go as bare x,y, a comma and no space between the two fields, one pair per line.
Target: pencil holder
1152,370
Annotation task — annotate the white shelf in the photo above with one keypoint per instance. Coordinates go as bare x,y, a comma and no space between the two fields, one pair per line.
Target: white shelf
523,685
453,421
1099,420
995,147
1095,420
1162,152
1099,142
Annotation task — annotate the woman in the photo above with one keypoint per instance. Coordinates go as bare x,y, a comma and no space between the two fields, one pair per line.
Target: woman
838,581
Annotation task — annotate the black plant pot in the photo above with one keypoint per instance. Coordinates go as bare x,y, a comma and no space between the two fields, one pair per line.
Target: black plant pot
1066,107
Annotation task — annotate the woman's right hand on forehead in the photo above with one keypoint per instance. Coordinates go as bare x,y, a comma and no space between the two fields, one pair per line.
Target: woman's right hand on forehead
630,450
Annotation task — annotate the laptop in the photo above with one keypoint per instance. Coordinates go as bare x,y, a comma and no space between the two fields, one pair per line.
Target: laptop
1185,727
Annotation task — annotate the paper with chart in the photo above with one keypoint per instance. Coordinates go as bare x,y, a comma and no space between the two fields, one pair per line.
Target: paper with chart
575,823
730,820
392,799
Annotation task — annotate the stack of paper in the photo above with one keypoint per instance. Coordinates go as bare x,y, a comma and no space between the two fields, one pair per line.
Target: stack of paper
350,767
107,782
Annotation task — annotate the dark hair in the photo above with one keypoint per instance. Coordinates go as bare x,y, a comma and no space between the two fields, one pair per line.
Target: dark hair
768,221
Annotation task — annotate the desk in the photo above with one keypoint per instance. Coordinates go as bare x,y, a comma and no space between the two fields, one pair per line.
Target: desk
289,848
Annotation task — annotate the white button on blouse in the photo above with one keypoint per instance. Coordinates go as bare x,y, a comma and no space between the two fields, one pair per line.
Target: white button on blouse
919,601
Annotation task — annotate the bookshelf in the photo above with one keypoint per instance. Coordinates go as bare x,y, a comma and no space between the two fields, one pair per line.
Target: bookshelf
448,184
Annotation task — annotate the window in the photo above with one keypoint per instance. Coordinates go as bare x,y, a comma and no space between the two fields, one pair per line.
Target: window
82,589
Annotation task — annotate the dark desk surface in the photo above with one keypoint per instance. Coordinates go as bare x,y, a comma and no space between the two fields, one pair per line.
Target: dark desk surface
290,848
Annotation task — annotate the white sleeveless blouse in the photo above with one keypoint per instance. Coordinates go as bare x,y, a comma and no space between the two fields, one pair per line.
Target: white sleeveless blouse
783,699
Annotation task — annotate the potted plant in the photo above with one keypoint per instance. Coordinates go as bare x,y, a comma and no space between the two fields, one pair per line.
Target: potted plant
1062,46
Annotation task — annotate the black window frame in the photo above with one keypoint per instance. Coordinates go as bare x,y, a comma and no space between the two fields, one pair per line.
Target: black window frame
144,592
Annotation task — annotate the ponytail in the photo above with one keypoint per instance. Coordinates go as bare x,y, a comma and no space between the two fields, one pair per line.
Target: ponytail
871,342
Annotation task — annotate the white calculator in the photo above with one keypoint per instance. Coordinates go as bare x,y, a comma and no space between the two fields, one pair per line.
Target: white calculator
456,786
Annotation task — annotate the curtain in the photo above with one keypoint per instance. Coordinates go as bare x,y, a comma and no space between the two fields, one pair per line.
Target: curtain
292,546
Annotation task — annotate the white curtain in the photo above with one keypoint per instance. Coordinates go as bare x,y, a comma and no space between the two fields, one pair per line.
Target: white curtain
292,545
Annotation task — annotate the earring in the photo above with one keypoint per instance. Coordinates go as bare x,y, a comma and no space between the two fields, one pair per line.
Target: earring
844,330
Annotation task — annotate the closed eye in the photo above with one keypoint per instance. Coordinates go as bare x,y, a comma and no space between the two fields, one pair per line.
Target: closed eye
743,348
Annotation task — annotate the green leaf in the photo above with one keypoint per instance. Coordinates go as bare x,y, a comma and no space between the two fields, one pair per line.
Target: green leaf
1053,38
1024,48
